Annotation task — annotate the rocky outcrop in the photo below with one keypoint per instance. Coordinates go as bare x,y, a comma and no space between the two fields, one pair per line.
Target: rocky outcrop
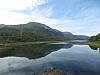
51,71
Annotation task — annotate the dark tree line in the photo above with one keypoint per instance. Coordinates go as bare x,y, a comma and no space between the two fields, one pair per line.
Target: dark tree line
95,38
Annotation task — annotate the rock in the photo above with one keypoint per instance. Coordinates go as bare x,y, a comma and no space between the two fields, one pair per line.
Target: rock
51,71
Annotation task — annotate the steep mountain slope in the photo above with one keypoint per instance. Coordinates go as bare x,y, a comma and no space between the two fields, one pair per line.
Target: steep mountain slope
39,28
31,31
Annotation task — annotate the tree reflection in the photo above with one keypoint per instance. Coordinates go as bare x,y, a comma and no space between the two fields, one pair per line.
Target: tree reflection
32,51
95,48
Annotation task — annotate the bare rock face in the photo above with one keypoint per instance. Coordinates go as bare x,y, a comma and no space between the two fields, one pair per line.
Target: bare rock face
51,71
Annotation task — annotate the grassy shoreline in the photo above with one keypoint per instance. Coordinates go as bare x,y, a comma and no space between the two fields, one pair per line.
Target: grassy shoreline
94,44
27,43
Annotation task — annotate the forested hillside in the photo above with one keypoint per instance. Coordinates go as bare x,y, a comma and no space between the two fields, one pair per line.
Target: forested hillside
29,32
32,32
94,41
95,38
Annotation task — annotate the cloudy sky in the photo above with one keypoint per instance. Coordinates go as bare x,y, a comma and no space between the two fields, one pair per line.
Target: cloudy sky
76,16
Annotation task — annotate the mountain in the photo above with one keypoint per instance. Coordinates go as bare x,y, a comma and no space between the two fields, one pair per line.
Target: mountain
71,36
34,31
98,34
31,31
84,37
95,38
1,25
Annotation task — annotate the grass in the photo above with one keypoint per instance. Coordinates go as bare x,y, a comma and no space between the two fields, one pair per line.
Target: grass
21,43
94,44
27,43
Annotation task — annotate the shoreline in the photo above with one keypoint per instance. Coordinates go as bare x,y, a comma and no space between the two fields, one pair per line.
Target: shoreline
50,71
94,44
27,43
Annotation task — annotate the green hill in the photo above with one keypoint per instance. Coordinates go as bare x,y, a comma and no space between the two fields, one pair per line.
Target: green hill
94,41
95,38
29,32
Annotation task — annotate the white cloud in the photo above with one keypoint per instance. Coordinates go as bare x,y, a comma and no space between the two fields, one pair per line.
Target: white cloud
94,30
13,18
44,12
8,17
20,4
42,15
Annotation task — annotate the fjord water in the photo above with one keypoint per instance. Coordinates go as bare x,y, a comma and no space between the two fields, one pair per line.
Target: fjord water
74,58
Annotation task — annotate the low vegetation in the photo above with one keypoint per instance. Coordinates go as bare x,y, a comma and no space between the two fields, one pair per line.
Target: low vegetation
94,44
94,41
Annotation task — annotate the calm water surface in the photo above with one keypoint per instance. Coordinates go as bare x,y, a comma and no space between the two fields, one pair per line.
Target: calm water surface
72,57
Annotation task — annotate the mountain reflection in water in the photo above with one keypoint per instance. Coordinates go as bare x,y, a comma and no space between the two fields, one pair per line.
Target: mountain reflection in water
95,48
32,51
69,58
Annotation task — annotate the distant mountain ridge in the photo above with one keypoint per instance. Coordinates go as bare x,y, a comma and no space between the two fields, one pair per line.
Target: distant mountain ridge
1,25
33,31
71,36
